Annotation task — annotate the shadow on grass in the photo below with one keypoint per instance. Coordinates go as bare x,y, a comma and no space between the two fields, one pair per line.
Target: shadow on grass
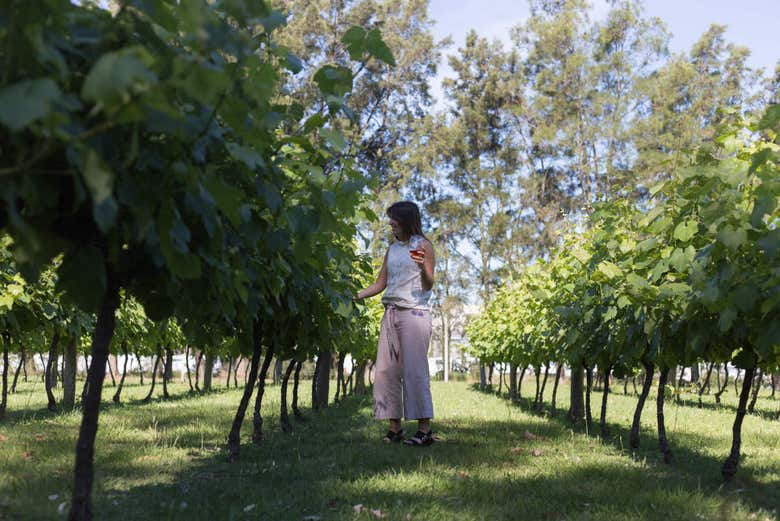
335,461
15,415
689,464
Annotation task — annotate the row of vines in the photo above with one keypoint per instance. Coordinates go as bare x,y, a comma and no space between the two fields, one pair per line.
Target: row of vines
160,192
690,275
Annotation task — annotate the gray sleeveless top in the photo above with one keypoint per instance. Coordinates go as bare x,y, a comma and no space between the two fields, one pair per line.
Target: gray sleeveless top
404,281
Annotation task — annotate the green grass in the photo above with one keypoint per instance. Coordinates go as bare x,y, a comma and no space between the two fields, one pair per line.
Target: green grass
166,460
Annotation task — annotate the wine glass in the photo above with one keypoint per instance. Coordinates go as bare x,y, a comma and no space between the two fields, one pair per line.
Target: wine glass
416,251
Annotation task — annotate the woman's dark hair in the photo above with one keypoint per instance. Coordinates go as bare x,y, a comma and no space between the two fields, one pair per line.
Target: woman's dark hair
407,214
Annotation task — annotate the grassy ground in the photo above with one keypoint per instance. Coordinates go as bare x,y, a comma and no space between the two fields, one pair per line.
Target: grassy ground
165,460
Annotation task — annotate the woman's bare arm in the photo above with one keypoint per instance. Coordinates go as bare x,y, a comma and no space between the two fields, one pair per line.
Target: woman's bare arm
378,286
427,265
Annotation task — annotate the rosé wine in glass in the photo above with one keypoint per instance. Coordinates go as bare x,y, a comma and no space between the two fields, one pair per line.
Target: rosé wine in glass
416,251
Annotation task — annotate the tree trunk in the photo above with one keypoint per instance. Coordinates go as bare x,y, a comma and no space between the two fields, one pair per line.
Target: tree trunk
482,376
625,387
604,397
4,398
729,468
703,384
322,381
234,437
640,404
284,419
18,368
491,366
588,390
81,503
721,390
118,393
756,390
235,372
633,382
208,370
229,371
558,372
500,379
154,378
69,375
736,381
662,442
296,381
257,419
55,340
187,367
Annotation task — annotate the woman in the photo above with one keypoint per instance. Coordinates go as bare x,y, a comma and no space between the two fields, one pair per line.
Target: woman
401,382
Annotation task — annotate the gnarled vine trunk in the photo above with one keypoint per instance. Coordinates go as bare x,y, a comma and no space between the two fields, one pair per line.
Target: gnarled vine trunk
81,502
296,381
640,404
284,418
721,390
4,397
22,356
558,372
540,403
604,397
729,468
49,377
576,404
321,388
257,418
148,397
705,384
663,444
756,389
69,370
513,382
167,372
339,377
118,393
187,367
360,378
588,390
234,437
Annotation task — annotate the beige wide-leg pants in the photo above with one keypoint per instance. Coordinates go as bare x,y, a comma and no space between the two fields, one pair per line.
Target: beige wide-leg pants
401,379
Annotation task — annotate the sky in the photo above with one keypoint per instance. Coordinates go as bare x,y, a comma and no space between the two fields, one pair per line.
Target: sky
752,23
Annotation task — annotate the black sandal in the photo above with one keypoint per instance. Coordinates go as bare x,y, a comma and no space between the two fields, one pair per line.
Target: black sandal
420,439
394,437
